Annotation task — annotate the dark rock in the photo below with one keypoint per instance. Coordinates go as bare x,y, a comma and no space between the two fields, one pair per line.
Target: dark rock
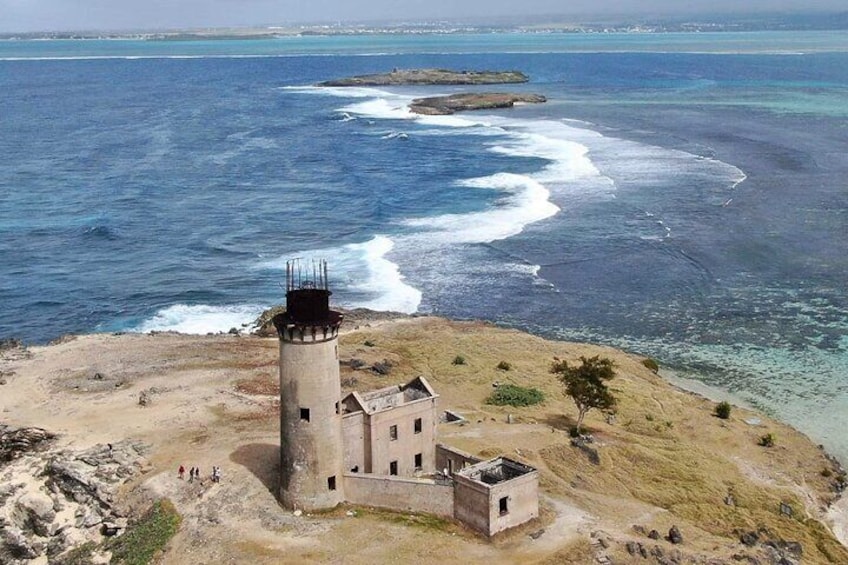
749,538
749,559
10,343
653,534
144,398
537,534
382,368
233,331
16,442
639,529
790,549
445,105
16,545
355,363
643,551
97,376
399,77
591,453
631,547
674,535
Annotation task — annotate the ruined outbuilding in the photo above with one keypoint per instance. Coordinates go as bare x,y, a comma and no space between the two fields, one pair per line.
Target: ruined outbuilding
376,448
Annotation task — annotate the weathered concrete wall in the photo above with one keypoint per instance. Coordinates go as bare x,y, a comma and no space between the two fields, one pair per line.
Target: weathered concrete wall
471,503
453,459
522,495
311,451
353,434
400,493
384,450
488,500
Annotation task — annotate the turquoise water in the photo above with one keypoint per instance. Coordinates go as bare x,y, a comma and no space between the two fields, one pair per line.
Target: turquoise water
766,42
679,195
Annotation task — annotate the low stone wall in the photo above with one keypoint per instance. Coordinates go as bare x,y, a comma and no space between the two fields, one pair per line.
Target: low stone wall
399,493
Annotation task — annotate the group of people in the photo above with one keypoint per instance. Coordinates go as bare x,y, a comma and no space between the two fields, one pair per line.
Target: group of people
194,474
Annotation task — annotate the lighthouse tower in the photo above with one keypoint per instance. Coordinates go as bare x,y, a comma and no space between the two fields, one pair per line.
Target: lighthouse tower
311,448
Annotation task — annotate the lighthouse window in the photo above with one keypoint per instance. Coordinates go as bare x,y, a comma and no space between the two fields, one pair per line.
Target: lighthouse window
418,460
393,468
392,433
304,414
417,425
331,482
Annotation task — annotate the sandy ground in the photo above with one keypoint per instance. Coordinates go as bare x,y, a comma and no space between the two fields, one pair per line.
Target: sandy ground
214,401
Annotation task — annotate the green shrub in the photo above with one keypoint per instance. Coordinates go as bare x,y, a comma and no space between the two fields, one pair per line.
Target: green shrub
649,417
458,360
513,395
143,541
722,410
767,440
573,431
651,364
826,472
504,366
368,343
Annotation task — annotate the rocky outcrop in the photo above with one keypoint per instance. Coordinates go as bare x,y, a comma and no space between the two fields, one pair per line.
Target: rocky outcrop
51,502
14,442
443,105
418,77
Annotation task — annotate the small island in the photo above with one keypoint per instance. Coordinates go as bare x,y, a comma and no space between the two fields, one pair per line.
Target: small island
418,77
444,105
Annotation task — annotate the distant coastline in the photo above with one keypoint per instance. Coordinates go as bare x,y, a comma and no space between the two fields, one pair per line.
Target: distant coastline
812,21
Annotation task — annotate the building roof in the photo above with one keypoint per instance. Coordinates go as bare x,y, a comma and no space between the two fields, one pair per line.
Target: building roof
495,471
389,397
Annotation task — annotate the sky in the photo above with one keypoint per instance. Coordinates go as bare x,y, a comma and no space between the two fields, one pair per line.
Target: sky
89,15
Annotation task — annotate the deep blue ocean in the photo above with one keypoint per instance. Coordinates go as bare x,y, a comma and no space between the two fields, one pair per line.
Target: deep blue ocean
684,196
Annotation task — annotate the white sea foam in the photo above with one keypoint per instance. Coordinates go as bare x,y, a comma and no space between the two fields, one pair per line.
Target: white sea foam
570,174
526,201
387,107
200,318
367,273
339,91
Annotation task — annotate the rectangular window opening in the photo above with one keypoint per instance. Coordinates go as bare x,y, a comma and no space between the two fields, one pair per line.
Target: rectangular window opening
393,468
417,425
354,469
338,408
504,505
392,433
418,461
304,414
331,482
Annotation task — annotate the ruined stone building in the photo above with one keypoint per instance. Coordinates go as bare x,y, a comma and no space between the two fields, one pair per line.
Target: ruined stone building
376,448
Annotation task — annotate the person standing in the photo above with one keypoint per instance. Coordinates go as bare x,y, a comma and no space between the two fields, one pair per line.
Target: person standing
181,472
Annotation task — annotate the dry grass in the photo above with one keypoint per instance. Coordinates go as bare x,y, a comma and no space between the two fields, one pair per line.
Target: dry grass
665,461
265,384
666,454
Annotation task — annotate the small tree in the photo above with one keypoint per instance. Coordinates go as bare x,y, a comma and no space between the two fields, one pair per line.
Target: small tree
585,384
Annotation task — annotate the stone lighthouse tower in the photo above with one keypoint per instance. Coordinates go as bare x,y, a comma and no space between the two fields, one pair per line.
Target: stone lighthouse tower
311,448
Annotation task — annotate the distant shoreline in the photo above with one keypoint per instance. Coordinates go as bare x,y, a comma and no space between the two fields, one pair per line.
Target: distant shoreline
789,22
